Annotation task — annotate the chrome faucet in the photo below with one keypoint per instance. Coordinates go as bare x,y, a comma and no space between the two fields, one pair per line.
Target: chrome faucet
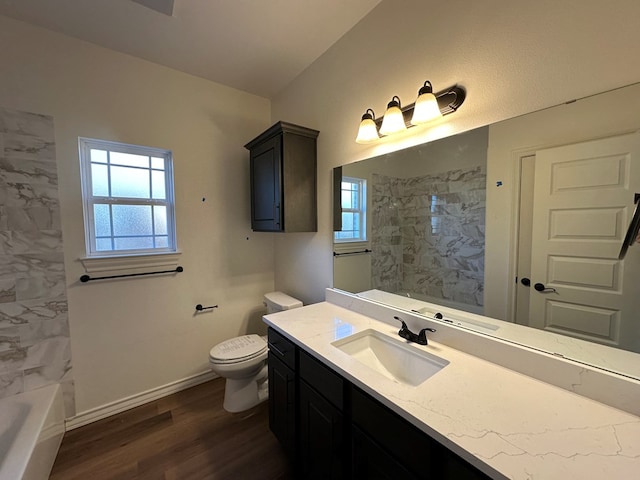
419,338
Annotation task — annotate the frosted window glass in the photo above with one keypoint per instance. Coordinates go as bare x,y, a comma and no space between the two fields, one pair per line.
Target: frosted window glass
355,197
134,243
99,180
128,195
157,163
103,244
160,220
102,219
99,156
162,242
132,220
129,160
157,185
346,199
347,221
129,182
353,203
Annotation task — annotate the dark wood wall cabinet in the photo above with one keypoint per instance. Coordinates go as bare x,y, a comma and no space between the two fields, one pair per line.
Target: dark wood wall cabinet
331,429
283,179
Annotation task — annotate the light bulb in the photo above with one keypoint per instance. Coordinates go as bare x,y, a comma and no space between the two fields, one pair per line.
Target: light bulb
368,131
393,120
426,107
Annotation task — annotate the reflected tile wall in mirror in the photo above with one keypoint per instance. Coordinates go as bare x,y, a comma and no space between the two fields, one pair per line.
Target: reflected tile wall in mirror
428,235
34,330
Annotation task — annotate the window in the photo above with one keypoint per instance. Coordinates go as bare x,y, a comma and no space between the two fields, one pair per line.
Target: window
354,208
128,198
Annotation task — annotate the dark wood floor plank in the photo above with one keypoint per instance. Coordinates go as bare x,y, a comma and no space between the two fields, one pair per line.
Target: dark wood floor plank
186,436
229,433
111,441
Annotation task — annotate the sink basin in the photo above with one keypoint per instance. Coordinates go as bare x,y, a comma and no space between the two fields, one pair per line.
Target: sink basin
391,357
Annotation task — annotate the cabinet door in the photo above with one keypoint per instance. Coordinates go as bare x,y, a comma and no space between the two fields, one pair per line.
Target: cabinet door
282,404
266,186
420,456
372,462
322,446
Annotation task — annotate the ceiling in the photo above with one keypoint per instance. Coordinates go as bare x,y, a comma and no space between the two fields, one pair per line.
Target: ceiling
258,46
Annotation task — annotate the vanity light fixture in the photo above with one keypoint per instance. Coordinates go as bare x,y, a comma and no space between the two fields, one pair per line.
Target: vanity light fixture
368,131
426,107
393,120
398,119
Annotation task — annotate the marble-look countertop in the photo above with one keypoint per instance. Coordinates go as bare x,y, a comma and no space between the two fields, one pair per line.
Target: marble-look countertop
505,423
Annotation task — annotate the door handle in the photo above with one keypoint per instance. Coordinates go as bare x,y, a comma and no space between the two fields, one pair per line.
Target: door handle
526,282
542,289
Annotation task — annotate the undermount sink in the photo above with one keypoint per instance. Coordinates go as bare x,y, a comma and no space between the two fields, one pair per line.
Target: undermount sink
391,357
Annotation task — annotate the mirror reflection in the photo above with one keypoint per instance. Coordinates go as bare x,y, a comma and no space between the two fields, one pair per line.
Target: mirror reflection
520,221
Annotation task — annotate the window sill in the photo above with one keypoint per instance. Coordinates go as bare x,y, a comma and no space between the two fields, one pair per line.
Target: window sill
349,246
130,263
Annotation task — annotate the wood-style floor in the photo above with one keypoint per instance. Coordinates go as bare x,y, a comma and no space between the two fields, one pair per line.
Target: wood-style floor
185,436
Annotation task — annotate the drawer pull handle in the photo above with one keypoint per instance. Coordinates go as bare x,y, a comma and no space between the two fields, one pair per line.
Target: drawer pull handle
276,349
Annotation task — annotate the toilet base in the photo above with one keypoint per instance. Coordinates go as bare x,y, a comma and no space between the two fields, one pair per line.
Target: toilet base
245,393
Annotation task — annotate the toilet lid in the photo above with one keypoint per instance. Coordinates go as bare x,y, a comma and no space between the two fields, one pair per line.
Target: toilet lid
239,348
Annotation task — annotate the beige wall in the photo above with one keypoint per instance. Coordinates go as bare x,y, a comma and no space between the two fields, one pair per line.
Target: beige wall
512,57
129,336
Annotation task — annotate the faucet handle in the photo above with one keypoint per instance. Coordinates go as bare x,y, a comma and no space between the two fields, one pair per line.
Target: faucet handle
422,335
404,332
404,325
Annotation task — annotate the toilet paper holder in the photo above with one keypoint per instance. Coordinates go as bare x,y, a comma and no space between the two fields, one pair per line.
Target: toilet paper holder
200,308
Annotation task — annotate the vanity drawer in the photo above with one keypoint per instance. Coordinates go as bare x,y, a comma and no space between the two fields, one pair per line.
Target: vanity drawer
322,378
282,348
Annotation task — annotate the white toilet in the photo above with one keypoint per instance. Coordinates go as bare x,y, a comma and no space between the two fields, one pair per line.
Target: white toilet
243,361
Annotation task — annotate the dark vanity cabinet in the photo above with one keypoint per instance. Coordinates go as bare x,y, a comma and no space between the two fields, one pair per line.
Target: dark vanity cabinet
334,430
282,391
283,179
323,449
387,446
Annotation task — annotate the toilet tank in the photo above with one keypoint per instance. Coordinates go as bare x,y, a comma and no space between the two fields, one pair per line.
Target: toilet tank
278,301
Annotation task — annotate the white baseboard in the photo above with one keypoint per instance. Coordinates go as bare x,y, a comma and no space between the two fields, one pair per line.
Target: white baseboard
128,403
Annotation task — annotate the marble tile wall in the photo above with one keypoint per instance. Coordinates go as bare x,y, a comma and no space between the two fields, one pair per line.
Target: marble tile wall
428,235
34,329
386,234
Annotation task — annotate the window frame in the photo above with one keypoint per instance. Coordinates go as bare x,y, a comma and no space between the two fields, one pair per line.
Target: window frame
89,200
362,182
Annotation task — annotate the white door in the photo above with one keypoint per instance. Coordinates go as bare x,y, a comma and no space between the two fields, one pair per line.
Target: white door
583,202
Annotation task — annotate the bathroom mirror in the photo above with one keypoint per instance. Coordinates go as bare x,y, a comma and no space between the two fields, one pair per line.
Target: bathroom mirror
520,221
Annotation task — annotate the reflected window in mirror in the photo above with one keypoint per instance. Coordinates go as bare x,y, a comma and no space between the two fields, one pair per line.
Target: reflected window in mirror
353,195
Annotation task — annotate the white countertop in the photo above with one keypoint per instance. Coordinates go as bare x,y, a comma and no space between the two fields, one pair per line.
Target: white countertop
493,417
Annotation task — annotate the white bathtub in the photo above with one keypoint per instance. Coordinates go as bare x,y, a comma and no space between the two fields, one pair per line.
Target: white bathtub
31,429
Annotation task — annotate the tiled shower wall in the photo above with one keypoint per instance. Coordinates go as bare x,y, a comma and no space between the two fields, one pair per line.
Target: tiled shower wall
428,235
34,330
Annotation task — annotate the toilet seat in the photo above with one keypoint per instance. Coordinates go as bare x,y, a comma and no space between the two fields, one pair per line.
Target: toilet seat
238,349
